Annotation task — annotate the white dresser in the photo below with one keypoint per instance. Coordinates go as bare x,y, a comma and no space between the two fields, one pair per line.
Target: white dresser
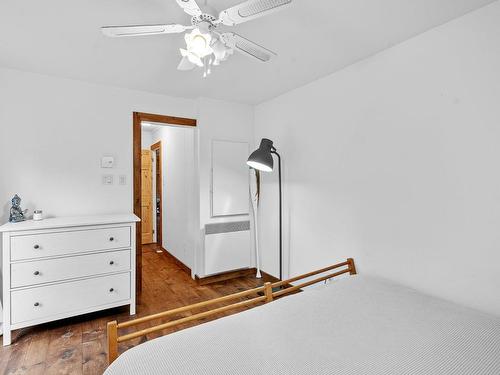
67,266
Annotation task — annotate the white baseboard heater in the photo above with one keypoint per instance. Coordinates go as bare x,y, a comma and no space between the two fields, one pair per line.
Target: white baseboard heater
227,247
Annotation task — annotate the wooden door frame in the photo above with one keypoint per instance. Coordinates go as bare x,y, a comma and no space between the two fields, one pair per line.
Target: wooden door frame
137,119
156,148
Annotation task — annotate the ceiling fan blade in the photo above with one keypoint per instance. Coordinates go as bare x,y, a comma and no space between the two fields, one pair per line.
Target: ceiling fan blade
190,7
138,30
247,47
250,10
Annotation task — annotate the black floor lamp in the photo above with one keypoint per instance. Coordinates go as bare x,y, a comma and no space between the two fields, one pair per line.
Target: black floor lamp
262,159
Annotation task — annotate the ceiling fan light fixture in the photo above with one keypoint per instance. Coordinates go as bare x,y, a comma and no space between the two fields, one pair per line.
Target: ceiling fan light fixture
205,45
219,49
198,43
195,60
229,52
185,64
204,27
192,57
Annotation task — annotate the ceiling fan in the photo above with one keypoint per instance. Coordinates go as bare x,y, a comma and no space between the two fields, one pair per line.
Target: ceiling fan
205,45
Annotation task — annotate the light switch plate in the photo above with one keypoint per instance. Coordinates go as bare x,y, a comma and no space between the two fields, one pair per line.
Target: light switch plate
122,179
107,179
107,162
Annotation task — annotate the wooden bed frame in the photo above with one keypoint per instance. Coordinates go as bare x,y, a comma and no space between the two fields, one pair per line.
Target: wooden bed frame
264,294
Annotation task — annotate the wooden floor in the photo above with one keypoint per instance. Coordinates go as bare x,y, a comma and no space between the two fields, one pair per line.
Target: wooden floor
78,345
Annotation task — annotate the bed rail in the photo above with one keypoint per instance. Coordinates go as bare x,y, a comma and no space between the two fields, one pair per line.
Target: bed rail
264,294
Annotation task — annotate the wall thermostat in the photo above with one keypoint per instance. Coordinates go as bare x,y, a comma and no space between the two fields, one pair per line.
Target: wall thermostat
107,162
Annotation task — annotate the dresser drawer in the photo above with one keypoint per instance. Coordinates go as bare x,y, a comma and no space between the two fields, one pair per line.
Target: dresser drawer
48,270
61,243
44,302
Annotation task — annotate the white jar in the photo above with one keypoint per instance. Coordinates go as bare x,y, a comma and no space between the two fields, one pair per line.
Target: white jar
37,215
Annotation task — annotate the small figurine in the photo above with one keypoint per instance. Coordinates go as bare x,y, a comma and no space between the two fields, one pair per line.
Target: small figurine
16,213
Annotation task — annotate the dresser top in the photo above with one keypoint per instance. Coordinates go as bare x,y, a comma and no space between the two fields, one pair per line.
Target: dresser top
64,222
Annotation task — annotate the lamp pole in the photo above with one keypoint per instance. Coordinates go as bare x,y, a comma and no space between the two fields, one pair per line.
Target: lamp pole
262,160
273,151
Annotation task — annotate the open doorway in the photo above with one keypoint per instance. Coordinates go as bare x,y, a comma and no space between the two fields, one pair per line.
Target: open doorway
151,185
164,188
147,197
157,193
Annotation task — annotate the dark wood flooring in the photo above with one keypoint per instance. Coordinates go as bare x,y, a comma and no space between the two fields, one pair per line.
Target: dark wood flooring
78,345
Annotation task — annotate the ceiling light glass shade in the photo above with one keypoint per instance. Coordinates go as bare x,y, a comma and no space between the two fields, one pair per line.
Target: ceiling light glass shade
229,52
191,57
203,49
262,159
219,50
185,64
198,43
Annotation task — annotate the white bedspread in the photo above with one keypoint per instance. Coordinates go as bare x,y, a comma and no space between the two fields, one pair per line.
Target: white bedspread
358,325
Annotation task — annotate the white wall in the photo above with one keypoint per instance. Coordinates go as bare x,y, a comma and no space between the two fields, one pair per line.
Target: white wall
53,133
394,161
229,121
178,188
146,138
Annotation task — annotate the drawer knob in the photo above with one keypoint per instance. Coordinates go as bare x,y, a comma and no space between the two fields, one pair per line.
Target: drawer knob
36,304
111,262
36,273
111,238
36,247
111,290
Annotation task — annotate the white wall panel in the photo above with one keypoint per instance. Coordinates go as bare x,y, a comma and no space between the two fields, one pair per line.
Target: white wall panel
394,161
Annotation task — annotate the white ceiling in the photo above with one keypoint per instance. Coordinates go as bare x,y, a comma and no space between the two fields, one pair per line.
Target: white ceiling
312,38
150,126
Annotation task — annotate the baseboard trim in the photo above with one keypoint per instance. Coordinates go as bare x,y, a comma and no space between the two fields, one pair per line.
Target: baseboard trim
267,277
176,261
247,272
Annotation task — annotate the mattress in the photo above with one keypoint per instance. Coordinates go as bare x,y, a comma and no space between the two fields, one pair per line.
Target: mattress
357,325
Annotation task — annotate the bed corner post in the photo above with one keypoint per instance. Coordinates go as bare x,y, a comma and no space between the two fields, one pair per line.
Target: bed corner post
112,329
352,267
268,291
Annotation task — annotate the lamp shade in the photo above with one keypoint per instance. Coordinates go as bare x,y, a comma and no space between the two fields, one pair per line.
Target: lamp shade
261,158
